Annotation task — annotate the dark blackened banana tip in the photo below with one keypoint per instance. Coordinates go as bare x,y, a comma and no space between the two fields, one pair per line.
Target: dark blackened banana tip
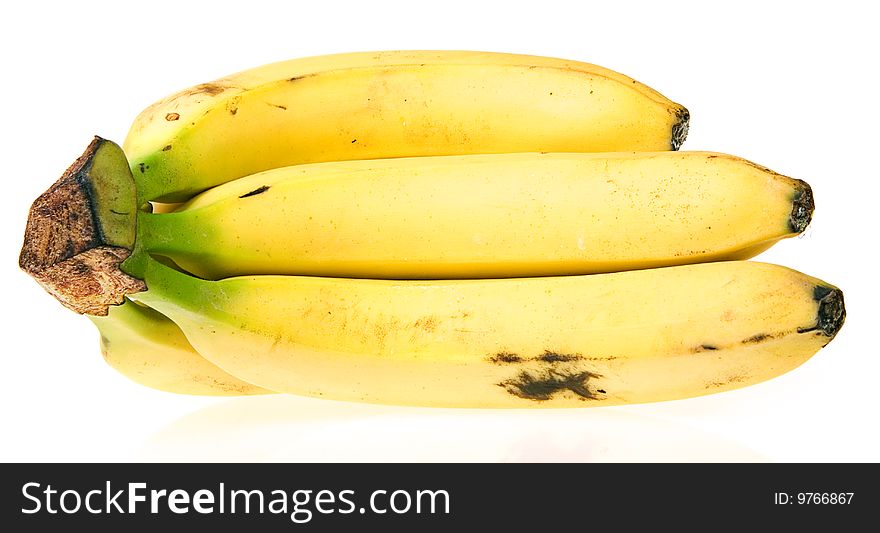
802,206
680,127
832,311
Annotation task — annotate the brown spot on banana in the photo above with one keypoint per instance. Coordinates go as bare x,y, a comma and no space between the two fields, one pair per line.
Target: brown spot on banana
297,78
548,357
555,357
704,348
760,337
259,190
232,105
211,89
505,358
729,380
428,323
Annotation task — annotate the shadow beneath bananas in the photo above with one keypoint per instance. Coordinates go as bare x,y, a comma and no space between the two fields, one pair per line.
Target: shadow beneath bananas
283,428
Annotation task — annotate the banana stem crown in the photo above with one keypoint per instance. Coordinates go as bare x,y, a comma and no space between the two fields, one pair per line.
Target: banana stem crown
81,229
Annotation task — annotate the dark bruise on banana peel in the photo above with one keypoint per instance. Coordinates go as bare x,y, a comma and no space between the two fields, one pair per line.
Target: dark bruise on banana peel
542,385
81,229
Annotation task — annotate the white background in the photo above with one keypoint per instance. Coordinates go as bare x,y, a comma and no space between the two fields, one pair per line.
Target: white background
789,85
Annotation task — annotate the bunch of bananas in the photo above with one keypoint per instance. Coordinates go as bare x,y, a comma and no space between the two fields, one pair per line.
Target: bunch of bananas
430,228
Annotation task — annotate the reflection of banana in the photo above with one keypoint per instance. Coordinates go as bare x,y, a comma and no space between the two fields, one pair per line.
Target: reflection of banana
483,216
292,428
150,349
569,341
390,104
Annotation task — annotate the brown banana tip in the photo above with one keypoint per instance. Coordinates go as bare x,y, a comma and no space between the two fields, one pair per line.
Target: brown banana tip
680,127
802,206
832,311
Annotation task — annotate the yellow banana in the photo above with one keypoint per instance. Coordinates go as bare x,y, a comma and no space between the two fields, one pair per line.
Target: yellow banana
390,104
482,216
568,341
150,349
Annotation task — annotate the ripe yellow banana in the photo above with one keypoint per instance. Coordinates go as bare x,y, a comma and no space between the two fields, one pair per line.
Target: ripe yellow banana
568,341
390,104
148,348
482,216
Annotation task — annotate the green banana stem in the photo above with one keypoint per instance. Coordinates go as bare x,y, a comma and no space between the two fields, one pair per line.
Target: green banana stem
178,289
